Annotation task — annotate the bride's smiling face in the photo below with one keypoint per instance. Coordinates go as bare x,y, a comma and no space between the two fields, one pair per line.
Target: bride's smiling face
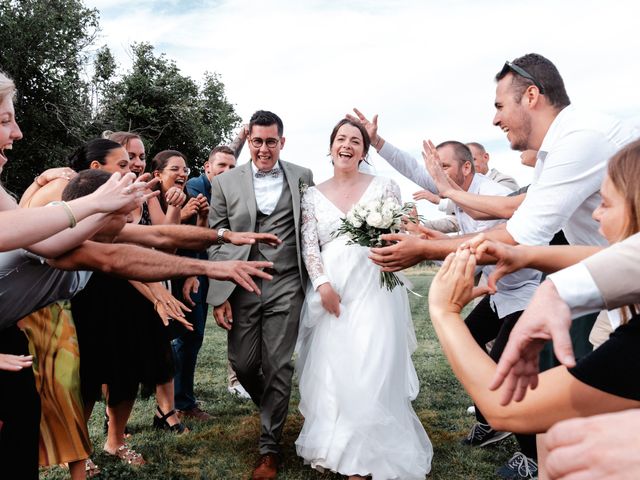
347,149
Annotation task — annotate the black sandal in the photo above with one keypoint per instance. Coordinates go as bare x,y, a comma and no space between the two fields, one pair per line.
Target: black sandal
160,423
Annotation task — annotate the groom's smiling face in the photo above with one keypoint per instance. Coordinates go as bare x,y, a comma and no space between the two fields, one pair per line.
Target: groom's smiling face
265,157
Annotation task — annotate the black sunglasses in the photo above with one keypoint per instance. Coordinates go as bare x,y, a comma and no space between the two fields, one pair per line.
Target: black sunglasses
508,66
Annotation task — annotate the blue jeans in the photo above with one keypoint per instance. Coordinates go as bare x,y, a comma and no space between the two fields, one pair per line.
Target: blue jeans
187,346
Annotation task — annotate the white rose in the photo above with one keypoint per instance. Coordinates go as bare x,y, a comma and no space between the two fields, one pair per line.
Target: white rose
373,206
353,219
374,219
387,220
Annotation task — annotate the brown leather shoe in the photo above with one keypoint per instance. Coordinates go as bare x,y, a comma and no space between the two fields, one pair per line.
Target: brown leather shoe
195,413
267,468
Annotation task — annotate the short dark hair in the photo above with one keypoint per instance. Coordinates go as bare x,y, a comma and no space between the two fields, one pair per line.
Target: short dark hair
365,136
462,153
159,162
265,118
544,72
221,149
85,183
94,150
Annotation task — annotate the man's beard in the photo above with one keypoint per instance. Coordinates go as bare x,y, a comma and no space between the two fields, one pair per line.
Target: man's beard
521,142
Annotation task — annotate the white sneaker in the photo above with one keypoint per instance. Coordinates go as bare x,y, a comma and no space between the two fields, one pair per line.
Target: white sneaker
471,410
239,391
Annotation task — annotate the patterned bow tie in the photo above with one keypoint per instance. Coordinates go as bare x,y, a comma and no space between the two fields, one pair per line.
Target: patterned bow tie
274,173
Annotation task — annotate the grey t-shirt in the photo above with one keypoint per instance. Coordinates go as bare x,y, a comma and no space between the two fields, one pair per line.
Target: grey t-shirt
28,283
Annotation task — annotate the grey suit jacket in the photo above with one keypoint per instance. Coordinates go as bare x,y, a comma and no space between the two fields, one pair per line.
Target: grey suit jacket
616,271
233,206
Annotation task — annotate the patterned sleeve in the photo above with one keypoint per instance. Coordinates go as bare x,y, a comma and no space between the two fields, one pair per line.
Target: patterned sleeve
392,189
310,241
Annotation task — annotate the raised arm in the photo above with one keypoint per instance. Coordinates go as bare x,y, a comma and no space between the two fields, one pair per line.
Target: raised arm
559,394
479,207
402,161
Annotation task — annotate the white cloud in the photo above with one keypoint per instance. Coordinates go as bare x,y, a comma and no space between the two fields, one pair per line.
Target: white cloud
426,67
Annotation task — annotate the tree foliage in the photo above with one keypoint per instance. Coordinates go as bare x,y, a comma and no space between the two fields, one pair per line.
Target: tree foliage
167,108
69,92
43,50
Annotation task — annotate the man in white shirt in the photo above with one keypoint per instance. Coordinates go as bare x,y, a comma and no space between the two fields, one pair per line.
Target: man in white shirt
481,162
532,108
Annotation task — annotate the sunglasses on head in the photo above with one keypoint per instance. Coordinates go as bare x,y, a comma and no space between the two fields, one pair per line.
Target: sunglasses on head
508,66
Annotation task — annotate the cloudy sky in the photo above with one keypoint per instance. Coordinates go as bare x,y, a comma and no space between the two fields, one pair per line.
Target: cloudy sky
425,67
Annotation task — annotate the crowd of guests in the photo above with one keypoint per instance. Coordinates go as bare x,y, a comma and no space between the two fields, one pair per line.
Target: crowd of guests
257,243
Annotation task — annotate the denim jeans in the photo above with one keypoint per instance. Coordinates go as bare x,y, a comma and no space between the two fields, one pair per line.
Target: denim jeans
187,346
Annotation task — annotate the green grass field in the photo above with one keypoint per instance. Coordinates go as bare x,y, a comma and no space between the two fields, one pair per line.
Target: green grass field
226,448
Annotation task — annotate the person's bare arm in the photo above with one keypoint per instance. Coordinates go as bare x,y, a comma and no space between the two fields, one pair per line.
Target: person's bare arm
238,143
510,258
27,226
559,394
486,207
406,250
147,265
169,237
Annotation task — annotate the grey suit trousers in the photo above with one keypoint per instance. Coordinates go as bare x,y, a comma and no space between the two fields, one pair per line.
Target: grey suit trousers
261,344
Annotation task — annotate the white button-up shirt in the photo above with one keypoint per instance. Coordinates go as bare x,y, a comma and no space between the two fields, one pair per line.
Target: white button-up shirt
514,290
566,183
267,189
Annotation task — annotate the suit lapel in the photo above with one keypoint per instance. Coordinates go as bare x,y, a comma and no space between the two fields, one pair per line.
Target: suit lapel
246,190
292,180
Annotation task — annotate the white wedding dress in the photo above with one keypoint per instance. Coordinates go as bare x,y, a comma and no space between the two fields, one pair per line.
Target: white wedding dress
357,379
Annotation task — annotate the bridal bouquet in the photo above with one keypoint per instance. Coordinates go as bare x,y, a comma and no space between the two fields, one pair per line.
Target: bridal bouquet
365,222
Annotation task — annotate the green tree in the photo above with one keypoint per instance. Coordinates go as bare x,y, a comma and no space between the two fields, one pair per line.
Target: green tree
168,109
44,51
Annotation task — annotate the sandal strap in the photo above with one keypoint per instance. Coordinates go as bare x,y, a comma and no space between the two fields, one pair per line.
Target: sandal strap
164,416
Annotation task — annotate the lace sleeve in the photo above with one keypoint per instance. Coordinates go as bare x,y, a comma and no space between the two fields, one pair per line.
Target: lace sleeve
310,241
392,189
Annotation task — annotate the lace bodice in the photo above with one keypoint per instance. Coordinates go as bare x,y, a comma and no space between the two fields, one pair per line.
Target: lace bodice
320,218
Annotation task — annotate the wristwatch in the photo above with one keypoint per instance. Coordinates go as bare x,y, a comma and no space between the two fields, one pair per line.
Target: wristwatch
221,239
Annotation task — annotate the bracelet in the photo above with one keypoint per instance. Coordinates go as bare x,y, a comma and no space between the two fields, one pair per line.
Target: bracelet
72,218
220,239
377,144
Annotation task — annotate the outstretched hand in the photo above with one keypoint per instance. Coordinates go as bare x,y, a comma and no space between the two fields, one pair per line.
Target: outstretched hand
508,258
122,192
546,318
405,252
371,126
14,363
249,238
432,162
427,195
240,272
452,288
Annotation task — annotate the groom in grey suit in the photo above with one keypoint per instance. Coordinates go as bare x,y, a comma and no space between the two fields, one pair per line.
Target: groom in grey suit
262,196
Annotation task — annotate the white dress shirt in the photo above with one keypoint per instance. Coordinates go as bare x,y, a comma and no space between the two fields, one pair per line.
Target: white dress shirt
576,287
514,290
267,189
566,185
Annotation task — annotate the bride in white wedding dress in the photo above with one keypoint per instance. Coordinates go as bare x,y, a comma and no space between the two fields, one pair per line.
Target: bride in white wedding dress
357,379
